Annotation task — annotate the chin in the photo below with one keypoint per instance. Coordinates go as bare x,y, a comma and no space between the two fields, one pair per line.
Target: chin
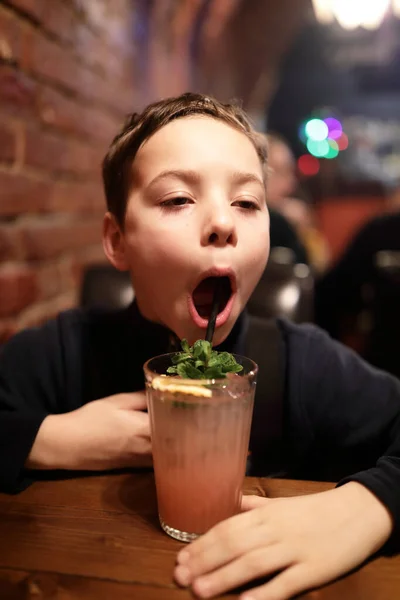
222,333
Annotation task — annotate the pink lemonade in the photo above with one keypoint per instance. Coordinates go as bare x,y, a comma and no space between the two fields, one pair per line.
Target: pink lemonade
200,434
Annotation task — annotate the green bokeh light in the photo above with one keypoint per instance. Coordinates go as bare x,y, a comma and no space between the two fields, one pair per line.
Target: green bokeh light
320,149
333,149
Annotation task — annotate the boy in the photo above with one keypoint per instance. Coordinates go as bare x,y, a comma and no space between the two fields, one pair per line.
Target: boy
186,204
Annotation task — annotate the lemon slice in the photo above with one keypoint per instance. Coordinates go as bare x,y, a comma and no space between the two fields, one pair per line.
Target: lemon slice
164,384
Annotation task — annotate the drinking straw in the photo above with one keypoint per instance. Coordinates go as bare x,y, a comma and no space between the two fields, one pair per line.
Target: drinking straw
214,310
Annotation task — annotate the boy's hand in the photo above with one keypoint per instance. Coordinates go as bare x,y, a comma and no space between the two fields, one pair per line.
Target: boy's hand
104,434
304,541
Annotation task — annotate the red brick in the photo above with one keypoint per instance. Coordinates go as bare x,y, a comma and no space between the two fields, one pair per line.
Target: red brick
50,237
55,278
92,255
48,59
31,7
69,116
18,92
43,311
77,198
85,159
58,110
95,52
7,143
98,123
57,63
10,243
45,150
60,20
51,152
11,35
19,193
18,285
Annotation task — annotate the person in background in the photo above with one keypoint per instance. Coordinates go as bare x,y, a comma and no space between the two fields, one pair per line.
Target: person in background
281,231
356,302
287,196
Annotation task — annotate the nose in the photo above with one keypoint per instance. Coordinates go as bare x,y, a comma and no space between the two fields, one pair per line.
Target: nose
220,228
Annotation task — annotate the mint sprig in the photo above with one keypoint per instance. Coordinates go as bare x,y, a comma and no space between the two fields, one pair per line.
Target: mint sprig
200,361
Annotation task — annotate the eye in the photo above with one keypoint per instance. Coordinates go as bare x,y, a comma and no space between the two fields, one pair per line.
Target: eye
177,202
247,204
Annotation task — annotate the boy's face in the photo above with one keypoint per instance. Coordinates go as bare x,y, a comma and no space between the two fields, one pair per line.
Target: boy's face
196,212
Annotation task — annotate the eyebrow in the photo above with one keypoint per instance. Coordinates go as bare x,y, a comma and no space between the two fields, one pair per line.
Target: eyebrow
185,175
193,177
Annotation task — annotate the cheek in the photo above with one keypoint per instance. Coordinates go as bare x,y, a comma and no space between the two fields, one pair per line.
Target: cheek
156,249
256,251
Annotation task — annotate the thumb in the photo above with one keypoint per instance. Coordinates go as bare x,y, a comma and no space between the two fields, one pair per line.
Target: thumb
132,401
250,502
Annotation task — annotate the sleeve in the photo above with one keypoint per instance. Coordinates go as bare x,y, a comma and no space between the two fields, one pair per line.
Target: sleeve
354,411
29,391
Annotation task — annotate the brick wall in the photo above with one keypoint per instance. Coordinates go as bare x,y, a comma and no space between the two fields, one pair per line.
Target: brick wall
66,82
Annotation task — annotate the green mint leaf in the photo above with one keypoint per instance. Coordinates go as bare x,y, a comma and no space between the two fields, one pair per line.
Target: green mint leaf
213,373
235,368
202,350
188,371
185,346
224,358
181,357
200,361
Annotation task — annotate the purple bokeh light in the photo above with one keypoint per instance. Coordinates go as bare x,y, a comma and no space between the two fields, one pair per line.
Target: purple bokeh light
335,128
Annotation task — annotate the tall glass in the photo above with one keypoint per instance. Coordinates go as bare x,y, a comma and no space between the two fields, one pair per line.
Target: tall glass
200,435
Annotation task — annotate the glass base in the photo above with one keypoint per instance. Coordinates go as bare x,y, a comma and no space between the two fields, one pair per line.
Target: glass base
177,534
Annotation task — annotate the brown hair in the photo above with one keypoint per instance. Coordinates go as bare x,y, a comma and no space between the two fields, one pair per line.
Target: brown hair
139,127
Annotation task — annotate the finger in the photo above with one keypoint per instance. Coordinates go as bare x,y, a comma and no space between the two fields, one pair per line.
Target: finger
140,423
133,401
225,542
261,562
142,445
250,502
287,584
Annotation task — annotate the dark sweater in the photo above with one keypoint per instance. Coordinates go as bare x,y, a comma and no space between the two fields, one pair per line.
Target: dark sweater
341,416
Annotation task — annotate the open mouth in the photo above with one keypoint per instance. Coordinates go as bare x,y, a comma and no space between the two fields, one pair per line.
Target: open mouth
203,295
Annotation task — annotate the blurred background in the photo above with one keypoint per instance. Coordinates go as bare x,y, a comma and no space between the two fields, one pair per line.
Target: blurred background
322,77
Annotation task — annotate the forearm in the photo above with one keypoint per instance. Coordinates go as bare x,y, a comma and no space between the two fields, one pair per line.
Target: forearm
370,516
52,448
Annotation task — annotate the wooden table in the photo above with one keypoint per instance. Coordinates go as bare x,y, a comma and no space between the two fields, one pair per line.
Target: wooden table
98,538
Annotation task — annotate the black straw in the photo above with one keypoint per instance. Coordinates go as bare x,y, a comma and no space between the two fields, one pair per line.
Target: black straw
214,310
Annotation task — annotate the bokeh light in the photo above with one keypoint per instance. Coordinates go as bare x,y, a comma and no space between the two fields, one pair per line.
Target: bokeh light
335,128
333,149
343,142
317,130
324,138
318,148
308,165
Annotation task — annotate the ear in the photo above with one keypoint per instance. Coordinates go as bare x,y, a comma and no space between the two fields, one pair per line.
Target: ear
114,242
